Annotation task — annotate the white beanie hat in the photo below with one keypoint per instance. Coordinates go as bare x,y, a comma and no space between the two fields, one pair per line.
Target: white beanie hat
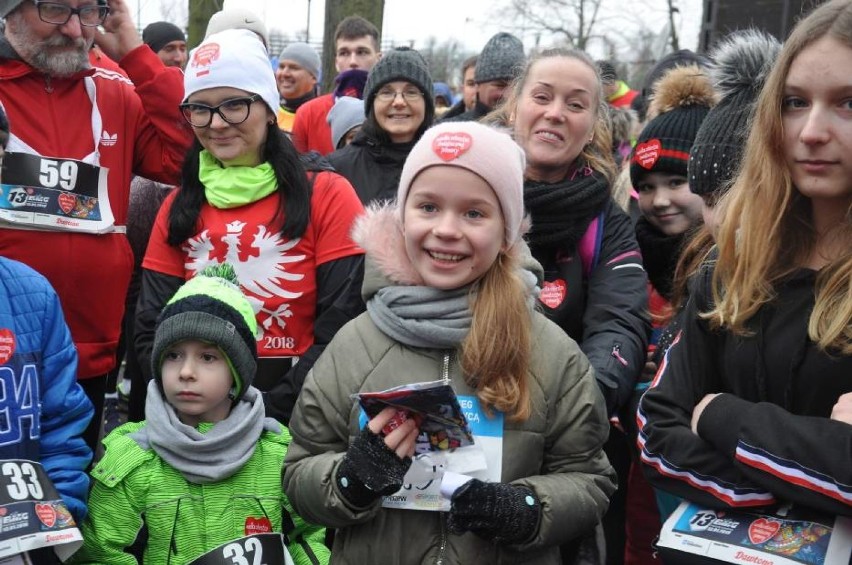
237,18
480,149
235,58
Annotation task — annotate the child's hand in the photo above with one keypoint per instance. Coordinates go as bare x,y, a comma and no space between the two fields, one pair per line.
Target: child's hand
375,465
400,431
497,512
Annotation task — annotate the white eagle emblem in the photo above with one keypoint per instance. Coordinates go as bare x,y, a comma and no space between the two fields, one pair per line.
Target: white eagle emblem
262,273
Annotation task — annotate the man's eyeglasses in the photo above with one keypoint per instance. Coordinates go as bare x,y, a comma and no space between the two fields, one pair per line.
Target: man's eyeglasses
408,94
234,111
59,14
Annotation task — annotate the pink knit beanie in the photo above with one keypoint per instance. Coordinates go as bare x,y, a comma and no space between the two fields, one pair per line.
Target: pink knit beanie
483,150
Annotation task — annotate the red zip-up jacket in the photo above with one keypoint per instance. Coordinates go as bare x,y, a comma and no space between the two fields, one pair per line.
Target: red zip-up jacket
143,133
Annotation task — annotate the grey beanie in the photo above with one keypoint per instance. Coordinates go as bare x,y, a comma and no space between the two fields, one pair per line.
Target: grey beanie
346,114
211,307
401,63
305,55
502,58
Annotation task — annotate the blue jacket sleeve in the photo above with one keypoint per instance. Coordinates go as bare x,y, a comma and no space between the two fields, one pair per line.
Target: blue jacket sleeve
66,411
616,323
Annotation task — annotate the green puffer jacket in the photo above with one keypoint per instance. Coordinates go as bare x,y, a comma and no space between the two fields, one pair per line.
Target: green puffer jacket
184,519
556,452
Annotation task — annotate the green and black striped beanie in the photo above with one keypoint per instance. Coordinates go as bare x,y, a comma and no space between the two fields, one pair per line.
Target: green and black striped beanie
211,308
682,99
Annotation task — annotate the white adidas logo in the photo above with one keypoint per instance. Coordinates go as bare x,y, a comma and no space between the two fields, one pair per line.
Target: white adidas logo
108,140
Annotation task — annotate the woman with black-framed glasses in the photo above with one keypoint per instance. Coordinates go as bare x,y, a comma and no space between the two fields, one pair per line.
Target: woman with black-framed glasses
399,108
247,198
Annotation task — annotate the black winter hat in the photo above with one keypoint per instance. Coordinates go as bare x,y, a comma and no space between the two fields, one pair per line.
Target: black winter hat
502,58
403,64
211,307
682,99
742,62
159,34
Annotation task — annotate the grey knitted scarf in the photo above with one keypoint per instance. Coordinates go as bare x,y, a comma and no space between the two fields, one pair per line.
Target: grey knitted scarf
204,457
422,316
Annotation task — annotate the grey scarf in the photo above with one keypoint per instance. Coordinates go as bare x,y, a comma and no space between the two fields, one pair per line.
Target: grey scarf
204,457
422,316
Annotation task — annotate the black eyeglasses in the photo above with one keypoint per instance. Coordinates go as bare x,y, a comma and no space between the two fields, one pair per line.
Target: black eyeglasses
234,111
59,14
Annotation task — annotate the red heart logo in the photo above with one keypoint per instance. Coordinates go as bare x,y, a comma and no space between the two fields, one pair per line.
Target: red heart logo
763,530
258,526
46,514
67,202
646,154
7,345
451,145
553,293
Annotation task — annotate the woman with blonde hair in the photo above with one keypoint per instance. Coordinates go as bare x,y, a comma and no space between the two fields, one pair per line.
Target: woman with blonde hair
752,404
594,283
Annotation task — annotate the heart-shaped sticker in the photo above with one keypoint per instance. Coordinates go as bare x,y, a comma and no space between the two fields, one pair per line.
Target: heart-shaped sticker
451,145
258,526
67,202
553,293
7,345
46,514
762,530
647,153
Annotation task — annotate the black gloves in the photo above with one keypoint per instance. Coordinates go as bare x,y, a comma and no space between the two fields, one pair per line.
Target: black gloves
498,512
369,470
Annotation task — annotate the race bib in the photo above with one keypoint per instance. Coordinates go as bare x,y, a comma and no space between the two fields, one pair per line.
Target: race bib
258,549
696,535
45,193
32,514
483,460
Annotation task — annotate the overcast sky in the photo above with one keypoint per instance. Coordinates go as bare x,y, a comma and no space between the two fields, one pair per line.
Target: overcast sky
470,21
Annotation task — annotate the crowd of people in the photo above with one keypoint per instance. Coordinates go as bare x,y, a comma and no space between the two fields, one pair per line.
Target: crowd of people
638,299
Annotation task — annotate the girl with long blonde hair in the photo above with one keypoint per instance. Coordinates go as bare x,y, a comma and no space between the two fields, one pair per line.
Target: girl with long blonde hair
450,295
752,405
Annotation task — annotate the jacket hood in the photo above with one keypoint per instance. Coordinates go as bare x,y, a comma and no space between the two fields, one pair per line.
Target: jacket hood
379,233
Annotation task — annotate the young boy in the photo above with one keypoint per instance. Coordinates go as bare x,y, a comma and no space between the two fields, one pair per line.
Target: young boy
199,481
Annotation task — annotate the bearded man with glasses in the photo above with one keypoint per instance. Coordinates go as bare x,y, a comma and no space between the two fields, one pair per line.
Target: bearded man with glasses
79,133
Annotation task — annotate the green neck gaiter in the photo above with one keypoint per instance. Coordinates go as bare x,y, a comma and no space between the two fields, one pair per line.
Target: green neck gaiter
232,187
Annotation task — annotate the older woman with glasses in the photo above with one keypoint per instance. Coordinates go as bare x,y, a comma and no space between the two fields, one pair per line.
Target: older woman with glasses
248,199
399,108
